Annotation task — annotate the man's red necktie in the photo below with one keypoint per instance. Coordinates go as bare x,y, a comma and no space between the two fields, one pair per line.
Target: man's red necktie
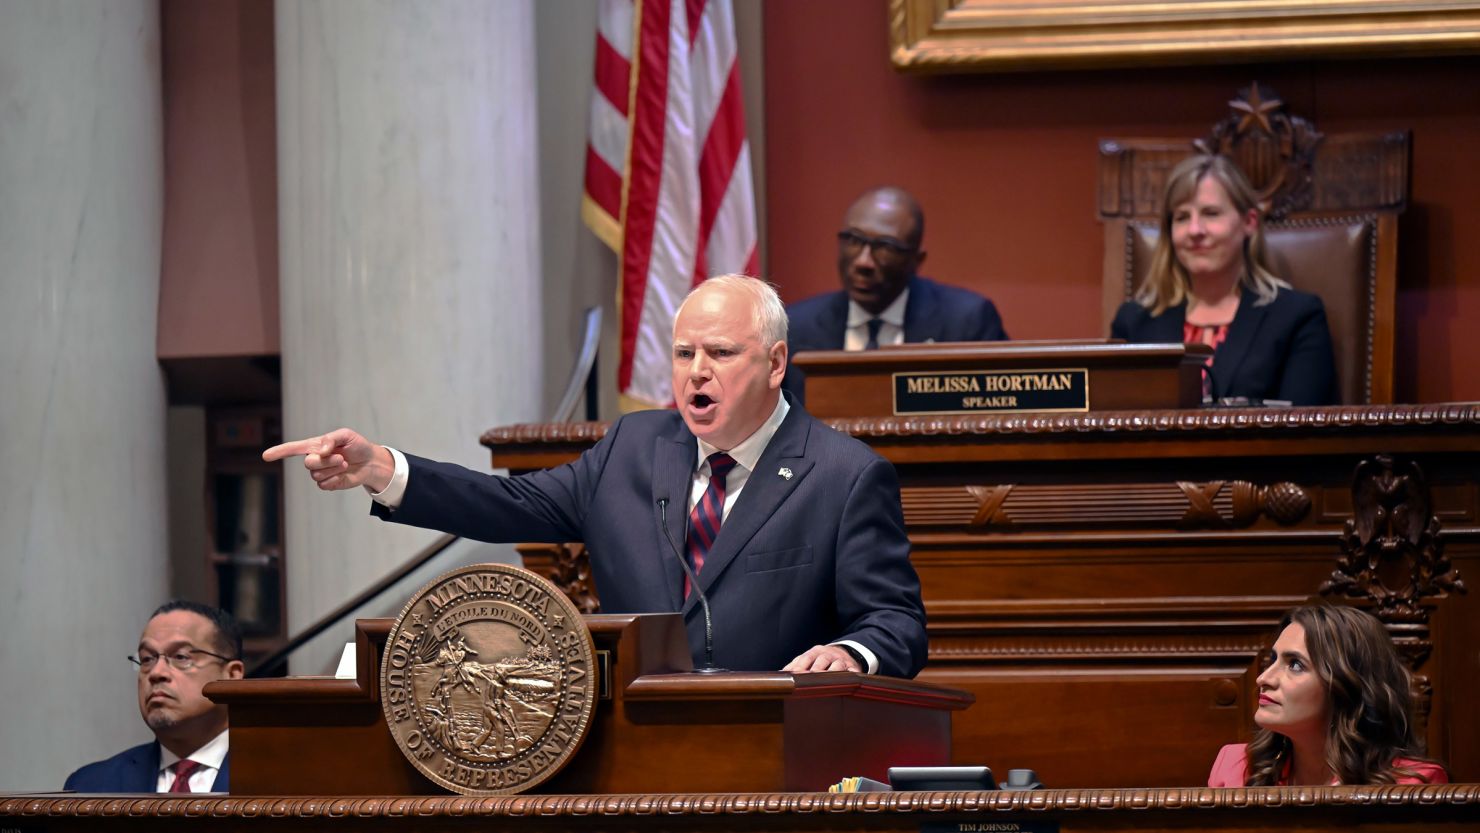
183,769
708,514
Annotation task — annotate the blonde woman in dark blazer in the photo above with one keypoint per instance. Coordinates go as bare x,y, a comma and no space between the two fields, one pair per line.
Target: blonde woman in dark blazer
1209,283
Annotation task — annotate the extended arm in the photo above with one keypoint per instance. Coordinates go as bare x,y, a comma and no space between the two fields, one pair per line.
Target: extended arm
340,459
541,506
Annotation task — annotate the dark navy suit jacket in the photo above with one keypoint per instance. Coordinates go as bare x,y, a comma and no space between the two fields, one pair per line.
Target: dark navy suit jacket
934,312
1281,350
134,770
813,551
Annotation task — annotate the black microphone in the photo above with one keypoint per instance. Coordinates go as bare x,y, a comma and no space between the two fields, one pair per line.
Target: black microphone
709,666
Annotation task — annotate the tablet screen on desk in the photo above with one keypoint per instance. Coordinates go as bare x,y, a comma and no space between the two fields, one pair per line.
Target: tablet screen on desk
941,778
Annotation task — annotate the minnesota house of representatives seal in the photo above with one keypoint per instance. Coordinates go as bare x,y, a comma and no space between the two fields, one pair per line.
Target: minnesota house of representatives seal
487,680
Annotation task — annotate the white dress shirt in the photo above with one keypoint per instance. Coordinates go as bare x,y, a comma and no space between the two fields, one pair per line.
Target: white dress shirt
890,332
745,455
210,758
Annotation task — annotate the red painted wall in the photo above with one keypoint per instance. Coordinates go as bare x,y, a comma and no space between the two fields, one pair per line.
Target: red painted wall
1005,168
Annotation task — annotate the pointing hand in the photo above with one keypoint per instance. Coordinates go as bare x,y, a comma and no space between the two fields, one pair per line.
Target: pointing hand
340,459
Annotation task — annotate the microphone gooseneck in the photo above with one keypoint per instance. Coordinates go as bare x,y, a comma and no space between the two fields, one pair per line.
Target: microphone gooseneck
709,667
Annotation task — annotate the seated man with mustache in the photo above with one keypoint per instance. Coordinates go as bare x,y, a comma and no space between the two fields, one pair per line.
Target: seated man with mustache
184,646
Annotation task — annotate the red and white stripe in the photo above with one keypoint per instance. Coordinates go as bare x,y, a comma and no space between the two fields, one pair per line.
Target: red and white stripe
673,196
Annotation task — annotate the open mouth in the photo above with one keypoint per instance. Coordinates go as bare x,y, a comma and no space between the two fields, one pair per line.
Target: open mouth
701,404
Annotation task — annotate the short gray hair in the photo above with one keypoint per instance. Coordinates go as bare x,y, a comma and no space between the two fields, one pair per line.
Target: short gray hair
770,313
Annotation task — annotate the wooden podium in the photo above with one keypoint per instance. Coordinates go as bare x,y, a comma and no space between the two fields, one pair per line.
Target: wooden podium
658,727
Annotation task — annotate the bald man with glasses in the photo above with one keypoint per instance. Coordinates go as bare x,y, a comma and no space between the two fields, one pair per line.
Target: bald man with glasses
883,300
184,646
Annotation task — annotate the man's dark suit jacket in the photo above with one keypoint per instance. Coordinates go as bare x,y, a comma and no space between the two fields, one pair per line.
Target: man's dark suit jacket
1281,350
134,770
813,551
934,312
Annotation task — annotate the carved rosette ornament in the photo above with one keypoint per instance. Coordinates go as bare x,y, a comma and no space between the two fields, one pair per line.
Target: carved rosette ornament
1274,149
488,680
1391,550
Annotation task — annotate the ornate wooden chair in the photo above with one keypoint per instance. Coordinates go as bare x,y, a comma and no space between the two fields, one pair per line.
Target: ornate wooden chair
1331,208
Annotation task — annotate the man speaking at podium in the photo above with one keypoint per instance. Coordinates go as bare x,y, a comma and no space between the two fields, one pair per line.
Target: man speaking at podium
794,530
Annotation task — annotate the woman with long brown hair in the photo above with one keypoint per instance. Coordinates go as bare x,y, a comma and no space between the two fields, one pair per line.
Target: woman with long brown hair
1335,707
1209,282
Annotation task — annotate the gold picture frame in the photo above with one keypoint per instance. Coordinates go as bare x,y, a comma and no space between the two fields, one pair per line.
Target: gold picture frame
944,36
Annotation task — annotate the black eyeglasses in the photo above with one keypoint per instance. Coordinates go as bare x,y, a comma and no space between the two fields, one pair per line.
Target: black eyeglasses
882,249
183,659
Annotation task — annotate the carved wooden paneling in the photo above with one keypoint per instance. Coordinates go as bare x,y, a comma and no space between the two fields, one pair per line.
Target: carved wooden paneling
1392,552
528,446
1054,720
1084,571
1392,555
1274,149
1068,668
1146,632
1182,504
568,566
1277,151
1391,809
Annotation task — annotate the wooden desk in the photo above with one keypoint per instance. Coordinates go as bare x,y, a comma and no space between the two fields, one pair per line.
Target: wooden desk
1104,582
1120,376
654,727
1453,807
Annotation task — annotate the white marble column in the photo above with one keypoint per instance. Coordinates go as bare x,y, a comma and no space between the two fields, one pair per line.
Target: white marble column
409,213
83,549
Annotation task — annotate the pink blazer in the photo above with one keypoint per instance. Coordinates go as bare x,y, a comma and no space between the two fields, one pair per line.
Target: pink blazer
1232,767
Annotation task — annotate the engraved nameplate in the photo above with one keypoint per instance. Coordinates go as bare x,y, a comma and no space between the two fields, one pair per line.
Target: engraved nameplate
991,391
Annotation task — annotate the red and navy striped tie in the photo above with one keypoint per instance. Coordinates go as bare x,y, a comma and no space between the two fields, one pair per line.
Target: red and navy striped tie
708,514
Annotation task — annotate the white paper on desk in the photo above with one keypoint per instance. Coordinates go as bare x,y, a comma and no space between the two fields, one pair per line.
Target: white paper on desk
346,669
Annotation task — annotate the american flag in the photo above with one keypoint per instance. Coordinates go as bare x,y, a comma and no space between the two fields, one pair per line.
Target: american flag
668,184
